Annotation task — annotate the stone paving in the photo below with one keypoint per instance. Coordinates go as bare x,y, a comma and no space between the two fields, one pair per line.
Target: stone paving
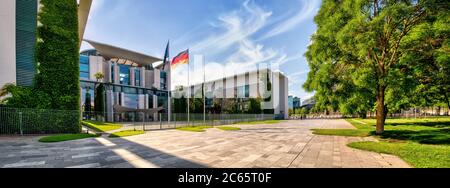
289,144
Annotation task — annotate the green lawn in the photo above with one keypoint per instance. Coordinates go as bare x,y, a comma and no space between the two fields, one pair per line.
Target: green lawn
420,142
66,137
417,155
260,122
101,126
226,128
126,133
195,129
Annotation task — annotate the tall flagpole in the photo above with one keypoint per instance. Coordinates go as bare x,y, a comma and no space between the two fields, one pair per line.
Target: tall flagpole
169,84
204,92
189,89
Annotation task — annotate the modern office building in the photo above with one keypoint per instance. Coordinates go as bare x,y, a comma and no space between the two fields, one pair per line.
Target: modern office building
136,84
296,103
235,92
18,23
291,102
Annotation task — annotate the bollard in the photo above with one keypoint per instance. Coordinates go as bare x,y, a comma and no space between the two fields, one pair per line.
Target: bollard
160,122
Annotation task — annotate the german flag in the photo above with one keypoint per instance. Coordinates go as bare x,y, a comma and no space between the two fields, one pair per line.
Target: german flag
181,58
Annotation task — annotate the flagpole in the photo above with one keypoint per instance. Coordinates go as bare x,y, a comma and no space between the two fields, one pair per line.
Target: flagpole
204,93
169,85
189,90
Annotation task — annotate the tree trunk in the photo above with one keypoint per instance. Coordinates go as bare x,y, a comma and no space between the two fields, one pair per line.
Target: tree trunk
381,109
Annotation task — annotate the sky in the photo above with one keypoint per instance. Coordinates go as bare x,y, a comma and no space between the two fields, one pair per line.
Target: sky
229,35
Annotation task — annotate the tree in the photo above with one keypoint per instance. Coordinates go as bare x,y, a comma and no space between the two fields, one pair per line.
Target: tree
99,100
429,59
254,106
99,76
360,40
87,103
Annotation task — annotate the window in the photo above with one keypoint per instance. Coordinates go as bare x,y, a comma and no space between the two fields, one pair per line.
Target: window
150,98
137,77
112,73
131,101
84,75
124,74
247,91
84,67
163,79
243,91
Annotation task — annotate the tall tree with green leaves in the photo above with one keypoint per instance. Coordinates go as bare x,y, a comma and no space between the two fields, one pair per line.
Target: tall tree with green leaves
57,54
360,43
430,60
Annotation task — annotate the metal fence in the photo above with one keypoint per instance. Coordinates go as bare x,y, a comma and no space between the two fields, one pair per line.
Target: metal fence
142,121
38,121
428,112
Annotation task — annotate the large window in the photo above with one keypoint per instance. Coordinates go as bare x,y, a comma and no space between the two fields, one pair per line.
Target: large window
84,67
163,80
124,74
131,101
112,73
243,91
247,91
150,98
137,77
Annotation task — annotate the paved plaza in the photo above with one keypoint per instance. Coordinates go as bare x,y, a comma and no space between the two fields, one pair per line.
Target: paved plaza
289,144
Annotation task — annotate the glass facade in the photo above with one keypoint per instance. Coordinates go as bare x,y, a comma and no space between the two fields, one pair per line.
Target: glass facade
130,101
247,91
162,99
243,91
120,91
84,67
112,73
90,53
124,74
26,23
163,79
137,77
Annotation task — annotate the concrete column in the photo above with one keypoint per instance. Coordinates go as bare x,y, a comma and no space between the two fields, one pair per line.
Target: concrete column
155,105
107,72
142,76
157,79
132,77
116,74
7,42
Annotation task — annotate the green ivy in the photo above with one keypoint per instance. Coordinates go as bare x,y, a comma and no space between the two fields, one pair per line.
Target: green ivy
56,85
57,54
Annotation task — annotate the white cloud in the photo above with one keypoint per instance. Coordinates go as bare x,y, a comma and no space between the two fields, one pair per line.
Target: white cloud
308,10
236,26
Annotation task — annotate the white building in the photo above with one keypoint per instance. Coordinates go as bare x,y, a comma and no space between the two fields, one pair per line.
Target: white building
270,87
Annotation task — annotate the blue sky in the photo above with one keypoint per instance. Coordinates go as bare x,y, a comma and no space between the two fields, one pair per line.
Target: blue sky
232,33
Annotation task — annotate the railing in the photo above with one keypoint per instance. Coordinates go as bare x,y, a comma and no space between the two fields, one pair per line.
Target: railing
142,121
15,121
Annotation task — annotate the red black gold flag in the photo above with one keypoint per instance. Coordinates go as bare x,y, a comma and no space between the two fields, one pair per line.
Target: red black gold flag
181,58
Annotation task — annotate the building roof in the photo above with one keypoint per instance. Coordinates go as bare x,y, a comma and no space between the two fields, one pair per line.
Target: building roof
84,7
111,52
